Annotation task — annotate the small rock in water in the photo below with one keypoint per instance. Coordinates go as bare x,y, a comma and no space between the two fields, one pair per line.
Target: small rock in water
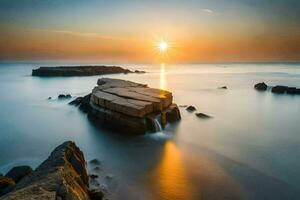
93,176
261,86
95,162
202,115
223,87
191,108
183,106
139,71
97,168
64,96
109,176
49,98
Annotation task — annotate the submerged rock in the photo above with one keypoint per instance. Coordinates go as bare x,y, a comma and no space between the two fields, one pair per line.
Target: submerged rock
61,176
129,107
19,172
191,108
203,116
80,71
261,86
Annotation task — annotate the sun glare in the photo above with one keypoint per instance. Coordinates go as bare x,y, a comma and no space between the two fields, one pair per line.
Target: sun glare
163,46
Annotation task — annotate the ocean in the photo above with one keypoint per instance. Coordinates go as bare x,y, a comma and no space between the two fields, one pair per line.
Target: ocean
249,149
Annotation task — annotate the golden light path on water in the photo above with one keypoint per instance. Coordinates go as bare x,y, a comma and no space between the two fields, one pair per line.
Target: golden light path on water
170,178
162,77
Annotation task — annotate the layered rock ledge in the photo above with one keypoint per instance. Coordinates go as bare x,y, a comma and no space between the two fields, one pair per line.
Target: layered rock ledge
62,176
80,71
129,107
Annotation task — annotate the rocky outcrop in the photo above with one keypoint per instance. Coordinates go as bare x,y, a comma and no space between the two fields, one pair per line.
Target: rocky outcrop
80,71
129,107
62,176
261,86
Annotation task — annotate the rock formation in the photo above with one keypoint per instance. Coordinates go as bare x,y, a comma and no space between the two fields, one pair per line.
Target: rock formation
278,89
62,176
80,71
128,106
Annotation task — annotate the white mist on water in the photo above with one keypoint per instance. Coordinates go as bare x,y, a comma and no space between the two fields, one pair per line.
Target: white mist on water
246,151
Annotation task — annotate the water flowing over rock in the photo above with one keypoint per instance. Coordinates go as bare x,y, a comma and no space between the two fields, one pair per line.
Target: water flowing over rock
80,71
62,176
129,107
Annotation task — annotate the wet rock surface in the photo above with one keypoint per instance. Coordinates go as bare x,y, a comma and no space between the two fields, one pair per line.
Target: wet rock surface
80,71
127,106
62,176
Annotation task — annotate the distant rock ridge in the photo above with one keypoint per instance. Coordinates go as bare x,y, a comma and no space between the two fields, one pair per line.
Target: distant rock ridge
127,106
80,71
62,176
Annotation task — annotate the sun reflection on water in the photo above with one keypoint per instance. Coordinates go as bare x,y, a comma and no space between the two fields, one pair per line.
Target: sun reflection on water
170,180
163,83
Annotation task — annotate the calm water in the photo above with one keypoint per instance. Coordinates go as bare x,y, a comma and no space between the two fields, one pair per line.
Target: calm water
248,150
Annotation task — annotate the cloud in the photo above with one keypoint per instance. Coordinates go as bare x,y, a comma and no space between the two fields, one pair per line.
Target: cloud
208,10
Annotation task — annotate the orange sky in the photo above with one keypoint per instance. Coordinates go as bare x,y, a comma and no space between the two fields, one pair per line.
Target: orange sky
215,34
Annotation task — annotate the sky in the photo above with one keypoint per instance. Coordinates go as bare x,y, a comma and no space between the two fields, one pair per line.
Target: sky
131,30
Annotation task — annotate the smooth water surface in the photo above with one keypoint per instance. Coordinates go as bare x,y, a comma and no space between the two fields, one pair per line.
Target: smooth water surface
248,150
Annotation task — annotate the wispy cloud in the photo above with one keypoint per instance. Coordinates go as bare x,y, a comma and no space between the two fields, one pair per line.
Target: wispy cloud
208,10
82,34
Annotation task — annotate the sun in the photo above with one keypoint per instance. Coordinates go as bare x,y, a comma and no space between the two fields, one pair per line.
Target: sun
163,46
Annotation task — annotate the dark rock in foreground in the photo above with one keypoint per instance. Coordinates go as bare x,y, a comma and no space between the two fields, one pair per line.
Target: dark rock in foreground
80,71
129,107
19,172
62,176
191,108
261,86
